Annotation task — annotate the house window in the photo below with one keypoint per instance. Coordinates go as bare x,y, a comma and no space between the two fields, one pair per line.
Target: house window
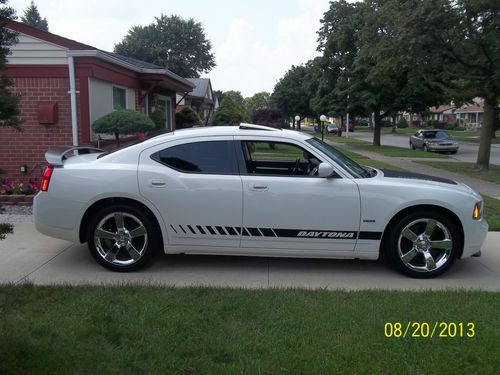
119,98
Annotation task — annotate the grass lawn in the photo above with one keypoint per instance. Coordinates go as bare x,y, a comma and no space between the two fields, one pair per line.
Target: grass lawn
493,175
163,330
492,212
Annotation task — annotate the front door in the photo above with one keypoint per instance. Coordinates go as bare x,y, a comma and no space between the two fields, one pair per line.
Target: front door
165,103
286,206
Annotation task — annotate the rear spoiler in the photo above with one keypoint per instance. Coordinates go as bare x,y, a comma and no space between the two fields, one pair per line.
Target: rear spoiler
56,156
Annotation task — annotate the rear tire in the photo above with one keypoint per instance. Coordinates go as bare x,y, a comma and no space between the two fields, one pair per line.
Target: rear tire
122,238
423,244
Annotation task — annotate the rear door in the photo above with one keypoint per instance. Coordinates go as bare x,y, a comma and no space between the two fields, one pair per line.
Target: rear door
196,186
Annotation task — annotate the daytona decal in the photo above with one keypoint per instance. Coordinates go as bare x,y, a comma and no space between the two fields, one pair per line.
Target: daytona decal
208,230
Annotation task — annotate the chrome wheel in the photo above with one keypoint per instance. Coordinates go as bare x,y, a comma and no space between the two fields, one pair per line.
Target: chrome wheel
425,245
120,238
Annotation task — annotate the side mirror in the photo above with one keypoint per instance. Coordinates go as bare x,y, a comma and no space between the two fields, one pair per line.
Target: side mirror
325,170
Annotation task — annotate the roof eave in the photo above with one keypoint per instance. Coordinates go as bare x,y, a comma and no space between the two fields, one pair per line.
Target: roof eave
111,59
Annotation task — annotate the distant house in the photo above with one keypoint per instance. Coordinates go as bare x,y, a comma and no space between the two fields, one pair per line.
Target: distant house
443,113
65,86
471,115
202,99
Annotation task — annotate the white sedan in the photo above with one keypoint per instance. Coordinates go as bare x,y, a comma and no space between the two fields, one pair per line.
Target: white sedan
257,191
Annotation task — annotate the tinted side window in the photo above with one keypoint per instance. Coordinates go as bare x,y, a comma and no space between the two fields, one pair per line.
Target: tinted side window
215,157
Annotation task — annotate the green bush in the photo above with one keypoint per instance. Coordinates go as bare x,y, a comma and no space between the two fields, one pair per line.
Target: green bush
402,123
186,118
229,113
159,118
123,121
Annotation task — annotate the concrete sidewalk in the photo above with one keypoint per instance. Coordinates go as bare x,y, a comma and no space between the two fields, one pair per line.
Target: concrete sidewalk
28,256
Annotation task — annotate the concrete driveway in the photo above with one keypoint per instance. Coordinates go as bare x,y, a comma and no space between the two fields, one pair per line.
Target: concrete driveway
28,256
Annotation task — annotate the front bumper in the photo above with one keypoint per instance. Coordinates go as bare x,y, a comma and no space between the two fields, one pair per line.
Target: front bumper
441,148
474,237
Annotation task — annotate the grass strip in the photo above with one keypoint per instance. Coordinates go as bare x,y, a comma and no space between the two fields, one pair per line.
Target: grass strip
133,329
492,212
493,175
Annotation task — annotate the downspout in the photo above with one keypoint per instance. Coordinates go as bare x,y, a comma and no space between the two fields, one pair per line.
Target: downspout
72,93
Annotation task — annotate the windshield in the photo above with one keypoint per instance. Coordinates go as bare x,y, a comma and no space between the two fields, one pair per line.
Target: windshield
345,162
438,134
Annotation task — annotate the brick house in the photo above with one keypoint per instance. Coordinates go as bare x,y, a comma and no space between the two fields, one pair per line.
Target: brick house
65,86
202,99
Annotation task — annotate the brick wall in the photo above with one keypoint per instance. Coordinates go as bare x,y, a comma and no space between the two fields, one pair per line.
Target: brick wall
29,147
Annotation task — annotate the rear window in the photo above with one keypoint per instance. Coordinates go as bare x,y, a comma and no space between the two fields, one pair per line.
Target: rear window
212,157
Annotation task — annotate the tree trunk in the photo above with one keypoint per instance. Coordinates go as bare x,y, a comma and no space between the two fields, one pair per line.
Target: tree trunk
293,122
298,124
117,136
370,121
394,123
377,127
483,155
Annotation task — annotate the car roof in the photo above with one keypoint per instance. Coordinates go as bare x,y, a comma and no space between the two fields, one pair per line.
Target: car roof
242,129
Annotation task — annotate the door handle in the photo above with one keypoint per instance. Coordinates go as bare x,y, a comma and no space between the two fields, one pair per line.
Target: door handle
259,187
157,183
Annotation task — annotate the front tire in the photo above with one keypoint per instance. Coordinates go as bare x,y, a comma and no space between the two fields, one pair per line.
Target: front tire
423,244
412,146
122,238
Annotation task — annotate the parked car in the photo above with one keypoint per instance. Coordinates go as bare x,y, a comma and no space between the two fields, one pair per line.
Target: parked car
333,129
257,191
434,140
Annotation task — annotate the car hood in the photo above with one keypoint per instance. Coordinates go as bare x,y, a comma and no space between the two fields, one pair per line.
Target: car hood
428,180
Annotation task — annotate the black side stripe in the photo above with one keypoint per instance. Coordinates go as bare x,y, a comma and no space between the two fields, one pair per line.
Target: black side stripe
370,235
221,231
280,233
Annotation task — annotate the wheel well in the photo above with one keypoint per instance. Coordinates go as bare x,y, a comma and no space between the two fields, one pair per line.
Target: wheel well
107,201
408,210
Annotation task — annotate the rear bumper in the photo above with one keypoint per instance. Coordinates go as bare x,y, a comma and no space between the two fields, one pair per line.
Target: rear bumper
55,217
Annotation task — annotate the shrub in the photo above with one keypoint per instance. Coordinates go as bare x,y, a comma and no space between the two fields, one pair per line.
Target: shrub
186,118
402,123
229,113
159,118
123,121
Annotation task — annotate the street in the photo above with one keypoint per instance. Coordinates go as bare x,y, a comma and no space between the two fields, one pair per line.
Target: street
466,153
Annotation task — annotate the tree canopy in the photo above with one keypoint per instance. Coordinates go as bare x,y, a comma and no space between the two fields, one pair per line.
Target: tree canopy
179,45
9,103
33,18
260,100
290,93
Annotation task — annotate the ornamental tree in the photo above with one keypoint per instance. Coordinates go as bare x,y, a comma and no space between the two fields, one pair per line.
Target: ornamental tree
123,121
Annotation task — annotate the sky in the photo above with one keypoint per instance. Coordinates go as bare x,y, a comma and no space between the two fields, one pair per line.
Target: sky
254,41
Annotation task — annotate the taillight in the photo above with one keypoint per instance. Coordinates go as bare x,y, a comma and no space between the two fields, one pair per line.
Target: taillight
46,178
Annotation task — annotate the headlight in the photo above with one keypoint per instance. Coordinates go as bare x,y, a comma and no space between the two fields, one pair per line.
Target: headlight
477,213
